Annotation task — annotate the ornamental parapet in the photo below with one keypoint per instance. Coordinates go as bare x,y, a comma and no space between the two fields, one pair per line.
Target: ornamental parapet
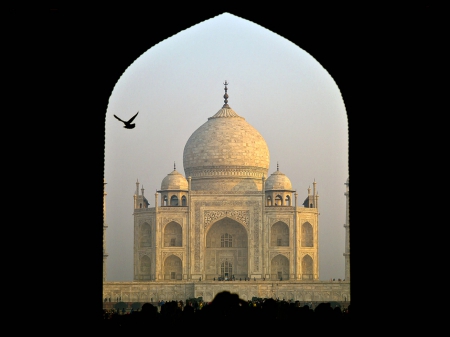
143,210
160,209
172,208
280,208
221,192
145,290
307,210
223,171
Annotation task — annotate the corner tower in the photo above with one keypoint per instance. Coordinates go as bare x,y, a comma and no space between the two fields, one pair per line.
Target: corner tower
347,231
105,226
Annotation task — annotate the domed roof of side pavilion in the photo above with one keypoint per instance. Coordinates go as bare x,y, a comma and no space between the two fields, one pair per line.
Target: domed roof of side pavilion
174,181
278,181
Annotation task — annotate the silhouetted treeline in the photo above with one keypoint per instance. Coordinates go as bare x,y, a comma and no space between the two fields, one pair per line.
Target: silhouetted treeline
228,314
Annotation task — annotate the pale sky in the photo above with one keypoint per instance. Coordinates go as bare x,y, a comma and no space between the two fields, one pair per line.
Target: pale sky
278,88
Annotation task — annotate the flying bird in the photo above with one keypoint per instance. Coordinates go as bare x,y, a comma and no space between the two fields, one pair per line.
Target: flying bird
128,124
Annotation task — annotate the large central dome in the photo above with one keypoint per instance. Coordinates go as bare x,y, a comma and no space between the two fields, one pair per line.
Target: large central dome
226,146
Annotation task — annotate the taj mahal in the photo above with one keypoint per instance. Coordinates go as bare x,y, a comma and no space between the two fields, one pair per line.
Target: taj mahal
227,224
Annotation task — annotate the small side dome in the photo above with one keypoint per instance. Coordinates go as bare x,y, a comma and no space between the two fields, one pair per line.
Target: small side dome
174,181
278,181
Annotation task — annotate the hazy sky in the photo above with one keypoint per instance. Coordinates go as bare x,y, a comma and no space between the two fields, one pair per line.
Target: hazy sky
278,88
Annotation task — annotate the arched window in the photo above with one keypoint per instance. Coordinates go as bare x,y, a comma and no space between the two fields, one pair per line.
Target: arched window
173,268
145,235
279,268
165,201
279,234
226,240
288,200
174,200
278,200
269,201
173,235
226,269
183,201
145,265
307,235
307,267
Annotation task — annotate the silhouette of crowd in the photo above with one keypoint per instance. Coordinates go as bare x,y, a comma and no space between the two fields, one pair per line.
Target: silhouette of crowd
229,314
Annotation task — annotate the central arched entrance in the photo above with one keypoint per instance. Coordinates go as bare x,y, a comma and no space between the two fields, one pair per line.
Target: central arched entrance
226,253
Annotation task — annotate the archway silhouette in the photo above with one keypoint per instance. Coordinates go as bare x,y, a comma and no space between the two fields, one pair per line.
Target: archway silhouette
95,53
185,96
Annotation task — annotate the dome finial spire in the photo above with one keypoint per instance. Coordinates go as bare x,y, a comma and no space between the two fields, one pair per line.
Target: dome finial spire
226,96
278,168
174,167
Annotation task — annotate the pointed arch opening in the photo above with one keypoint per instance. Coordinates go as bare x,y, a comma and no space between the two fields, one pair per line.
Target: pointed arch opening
307,235
174,200
307,268
111,163
173,235
279,268
145,235
279,234
287,200
173,268
145,268
278,200
226,250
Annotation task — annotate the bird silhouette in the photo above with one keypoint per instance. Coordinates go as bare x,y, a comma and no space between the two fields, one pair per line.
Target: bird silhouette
128,124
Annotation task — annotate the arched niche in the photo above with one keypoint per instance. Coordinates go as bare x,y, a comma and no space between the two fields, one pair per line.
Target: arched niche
173,235
173,268
307,268
307,239
279,268
279,234
145,235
